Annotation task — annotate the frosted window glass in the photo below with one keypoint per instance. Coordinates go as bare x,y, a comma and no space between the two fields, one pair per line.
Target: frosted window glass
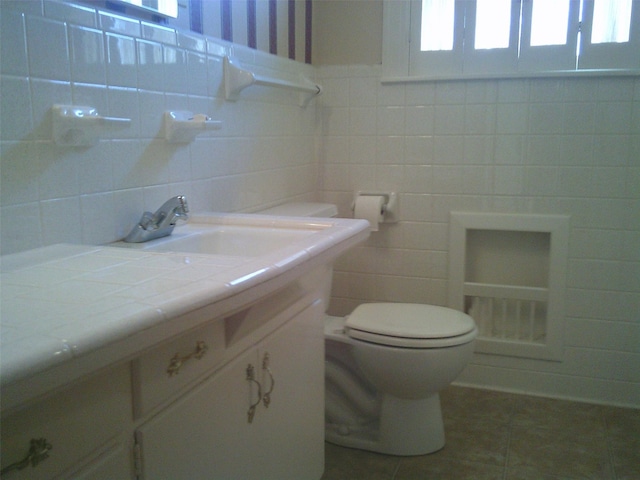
549,22
611,21
493,24
437,25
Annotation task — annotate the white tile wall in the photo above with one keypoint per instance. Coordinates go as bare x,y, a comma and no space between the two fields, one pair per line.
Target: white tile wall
263,155
566,146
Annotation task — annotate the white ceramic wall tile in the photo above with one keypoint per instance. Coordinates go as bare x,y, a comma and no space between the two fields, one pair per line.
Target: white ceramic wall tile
151,74
13,44
72,13
175,69
25,232
123,103
362,121
58,176
17,161
111,22
122,60
158,33
420,120
87,55
511,118
198,82
92,95
48,49
98,206
15,108
60,220
391,120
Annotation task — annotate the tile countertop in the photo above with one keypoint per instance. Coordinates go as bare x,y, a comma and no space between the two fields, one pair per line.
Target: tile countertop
69,310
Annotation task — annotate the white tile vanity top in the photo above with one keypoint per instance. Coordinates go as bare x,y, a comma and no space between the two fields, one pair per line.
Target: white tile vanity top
66,303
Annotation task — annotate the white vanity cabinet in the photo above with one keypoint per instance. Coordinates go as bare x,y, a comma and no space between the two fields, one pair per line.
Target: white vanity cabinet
208,433
85,427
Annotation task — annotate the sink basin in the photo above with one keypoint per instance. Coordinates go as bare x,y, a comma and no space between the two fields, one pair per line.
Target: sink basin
244,240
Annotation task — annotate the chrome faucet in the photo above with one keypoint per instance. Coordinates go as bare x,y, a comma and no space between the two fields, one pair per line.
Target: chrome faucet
161,223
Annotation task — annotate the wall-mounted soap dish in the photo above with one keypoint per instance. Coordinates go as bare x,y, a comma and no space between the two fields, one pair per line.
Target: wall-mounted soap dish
78,126
183,126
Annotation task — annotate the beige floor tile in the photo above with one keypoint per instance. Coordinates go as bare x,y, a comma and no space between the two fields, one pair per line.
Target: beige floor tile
561,453
351,464
579,418
429,467
623,430
475,404
476,441
531,473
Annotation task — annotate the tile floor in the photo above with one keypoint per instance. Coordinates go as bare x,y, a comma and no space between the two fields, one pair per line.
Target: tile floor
502,436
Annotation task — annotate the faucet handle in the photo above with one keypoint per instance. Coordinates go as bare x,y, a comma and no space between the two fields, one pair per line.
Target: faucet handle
146,220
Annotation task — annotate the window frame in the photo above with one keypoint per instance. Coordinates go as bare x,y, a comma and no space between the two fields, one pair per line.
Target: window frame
401,41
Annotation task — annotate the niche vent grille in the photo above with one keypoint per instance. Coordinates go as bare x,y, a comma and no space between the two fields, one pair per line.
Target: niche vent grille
508,272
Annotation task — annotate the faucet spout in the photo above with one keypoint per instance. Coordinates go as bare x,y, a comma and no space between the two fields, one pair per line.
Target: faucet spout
161,223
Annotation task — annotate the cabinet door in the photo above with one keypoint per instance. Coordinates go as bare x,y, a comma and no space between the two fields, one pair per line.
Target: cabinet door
207,433
293,424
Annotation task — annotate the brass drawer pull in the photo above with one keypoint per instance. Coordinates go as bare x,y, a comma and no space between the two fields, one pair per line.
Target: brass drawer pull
38,451
176,361
252,378
266,398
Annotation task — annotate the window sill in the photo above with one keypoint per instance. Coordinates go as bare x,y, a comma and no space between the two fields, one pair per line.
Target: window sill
508,76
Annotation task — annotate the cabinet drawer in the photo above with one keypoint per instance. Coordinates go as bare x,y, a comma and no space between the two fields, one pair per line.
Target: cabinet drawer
75,422
165,370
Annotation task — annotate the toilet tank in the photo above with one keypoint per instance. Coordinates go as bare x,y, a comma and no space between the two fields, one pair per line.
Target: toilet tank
303,209
310,209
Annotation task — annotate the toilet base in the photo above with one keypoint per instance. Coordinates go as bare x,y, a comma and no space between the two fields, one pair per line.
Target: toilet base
405,427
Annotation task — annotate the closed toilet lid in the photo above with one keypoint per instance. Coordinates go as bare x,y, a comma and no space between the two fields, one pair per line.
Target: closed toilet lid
412,321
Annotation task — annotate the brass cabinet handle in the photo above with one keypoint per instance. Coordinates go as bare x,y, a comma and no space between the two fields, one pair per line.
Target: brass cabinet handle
252,408
175,364
38,451
266,398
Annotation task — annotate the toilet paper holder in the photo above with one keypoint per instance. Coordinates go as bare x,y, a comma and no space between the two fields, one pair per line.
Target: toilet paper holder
389,207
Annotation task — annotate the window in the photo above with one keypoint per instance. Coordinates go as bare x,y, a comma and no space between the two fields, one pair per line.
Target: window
475,38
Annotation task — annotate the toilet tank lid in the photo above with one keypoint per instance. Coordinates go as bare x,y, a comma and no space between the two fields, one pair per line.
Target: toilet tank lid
410,320
303,209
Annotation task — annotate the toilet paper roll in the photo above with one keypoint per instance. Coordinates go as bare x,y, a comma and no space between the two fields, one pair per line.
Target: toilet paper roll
369,207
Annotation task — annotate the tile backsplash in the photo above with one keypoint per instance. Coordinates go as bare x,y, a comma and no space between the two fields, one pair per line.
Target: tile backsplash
65,53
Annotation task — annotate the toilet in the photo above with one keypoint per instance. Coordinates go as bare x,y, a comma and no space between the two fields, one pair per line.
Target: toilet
385,364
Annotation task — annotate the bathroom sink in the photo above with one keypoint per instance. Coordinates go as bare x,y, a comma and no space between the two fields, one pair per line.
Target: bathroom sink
243,239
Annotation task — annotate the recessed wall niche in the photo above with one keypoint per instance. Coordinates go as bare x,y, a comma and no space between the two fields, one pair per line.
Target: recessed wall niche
508,271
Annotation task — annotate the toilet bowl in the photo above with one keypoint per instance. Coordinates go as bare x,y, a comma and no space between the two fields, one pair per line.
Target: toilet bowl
384,366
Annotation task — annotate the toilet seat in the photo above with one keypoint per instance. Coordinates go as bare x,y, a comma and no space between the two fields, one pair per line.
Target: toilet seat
410,325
